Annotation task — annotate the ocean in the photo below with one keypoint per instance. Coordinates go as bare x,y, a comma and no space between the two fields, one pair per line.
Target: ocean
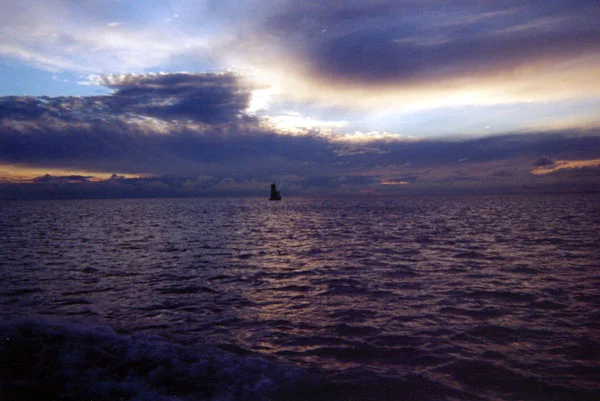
406,298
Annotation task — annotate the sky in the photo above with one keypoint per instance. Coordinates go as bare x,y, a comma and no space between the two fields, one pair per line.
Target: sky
191,98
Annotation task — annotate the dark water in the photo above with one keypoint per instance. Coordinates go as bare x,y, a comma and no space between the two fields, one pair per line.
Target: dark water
432,298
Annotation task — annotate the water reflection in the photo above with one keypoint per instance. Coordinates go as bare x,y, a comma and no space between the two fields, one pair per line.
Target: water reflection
406,285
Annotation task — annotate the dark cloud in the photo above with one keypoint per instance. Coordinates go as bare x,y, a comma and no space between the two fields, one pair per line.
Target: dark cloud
383,41
240,156
85,133
207,97
425,153
62,178
543,161
21,107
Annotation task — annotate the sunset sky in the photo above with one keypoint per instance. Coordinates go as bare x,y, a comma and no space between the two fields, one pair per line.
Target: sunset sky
355,97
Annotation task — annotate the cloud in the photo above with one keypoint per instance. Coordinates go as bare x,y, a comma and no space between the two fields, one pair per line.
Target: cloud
406,41
188,134
296,123
63,178
208,97
592,165
59,35
543,161
388,60
395,58
151,124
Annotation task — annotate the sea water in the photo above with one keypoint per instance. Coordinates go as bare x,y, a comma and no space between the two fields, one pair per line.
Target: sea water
408,298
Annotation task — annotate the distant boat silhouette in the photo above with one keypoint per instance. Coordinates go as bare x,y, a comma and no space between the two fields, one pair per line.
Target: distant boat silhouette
275,195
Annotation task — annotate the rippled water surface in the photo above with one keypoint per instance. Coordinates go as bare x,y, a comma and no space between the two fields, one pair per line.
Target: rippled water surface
425,298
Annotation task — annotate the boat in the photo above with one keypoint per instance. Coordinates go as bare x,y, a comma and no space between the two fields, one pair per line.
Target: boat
275,195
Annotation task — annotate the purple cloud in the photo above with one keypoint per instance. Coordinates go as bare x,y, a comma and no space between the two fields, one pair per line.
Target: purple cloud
407,41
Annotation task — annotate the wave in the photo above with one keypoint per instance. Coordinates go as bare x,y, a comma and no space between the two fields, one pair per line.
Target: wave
45,360
49,361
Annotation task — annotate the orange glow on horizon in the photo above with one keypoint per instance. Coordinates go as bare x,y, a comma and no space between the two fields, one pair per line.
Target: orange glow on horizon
565,164
17,173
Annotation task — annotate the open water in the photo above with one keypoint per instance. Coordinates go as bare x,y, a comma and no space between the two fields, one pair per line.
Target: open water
415,298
